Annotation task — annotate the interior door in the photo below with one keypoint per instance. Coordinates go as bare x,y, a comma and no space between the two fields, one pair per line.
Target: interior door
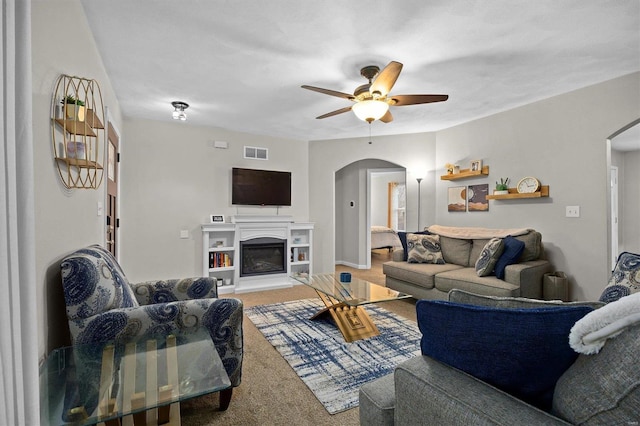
113,144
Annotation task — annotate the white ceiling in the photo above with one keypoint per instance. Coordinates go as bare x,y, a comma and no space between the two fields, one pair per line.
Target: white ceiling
240,64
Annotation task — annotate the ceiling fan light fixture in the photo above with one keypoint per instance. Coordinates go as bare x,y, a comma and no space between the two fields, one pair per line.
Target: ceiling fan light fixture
178,112
370,110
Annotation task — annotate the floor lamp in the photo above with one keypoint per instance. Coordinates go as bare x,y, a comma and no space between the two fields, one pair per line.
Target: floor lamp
419,180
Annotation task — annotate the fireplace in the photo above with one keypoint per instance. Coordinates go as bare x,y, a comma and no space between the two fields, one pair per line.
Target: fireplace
263,256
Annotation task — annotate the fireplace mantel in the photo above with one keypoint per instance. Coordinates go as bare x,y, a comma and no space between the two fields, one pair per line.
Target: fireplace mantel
261,219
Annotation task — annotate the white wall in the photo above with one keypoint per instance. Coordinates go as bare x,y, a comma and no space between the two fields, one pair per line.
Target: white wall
561,141
411,151
65,219
172,179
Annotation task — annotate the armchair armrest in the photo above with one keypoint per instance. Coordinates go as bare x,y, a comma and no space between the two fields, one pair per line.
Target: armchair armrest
162,291
428,389
221,317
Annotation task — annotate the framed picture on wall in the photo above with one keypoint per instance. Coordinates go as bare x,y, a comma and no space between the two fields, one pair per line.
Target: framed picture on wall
217,218
457,199
477,196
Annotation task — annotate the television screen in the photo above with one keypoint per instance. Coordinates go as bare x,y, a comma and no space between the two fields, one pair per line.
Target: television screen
250,187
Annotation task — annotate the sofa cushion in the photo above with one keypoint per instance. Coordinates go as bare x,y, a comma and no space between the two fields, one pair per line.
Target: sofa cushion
403,240
466,279
602,389
477,246
532,246
521,351
377,401
489,256
625,278
513,249
461,296
424,249
455,250
420,274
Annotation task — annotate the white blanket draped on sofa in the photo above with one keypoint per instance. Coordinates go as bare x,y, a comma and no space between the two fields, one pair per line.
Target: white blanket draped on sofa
471,233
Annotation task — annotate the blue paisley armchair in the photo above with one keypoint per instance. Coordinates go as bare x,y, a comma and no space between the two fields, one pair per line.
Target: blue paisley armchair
102,306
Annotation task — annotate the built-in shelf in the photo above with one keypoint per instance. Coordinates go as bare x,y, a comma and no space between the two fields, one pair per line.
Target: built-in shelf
514,194
466,173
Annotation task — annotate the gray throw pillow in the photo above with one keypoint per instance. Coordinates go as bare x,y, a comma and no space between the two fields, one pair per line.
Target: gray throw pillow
424,249
489,256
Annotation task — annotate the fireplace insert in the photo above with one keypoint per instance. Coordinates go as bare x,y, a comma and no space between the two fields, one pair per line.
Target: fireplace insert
262,256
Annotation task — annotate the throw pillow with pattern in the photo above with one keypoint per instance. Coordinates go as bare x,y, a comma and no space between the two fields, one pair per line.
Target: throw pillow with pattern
489,256
625,278
424,249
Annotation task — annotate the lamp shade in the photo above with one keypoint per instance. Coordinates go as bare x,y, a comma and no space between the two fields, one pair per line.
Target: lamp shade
370,110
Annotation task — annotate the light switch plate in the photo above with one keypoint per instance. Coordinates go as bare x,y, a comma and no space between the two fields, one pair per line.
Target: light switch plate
184,233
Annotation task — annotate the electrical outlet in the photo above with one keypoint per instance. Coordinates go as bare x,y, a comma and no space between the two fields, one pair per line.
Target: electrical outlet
572,211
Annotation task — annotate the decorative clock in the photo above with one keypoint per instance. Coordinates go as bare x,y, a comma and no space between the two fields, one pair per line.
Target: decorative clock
528,185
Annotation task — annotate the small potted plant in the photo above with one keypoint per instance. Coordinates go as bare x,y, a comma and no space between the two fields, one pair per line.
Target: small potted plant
502,188
452,168
73,108
449,168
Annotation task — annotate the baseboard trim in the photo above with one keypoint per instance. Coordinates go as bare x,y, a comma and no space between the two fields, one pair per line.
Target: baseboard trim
351,265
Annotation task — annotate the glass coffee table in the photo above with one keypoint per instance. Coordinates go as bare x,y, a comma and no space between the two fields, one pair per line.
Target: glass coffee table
344,300
139,382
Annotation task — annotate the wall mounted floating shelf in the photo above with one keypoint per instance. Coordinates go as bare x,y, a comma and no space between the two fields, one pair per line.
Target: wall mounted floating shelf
514,194
466,173
77,131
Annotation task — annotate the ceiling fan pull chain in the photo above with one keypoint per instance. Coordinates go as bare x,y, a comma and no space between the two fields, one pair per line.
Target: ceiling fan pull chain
370,133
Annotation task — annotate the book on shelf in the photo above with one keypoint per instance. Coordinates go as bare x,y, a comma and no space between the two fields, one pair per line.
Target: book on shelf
219,260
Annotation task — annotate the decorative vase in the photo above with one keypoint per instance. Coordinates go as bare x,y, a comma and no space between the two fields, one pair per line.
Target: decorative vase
500,192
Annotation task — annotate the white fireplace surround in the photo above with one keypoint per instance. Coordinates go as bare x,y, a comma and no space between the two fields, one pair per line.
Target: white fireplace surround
297,236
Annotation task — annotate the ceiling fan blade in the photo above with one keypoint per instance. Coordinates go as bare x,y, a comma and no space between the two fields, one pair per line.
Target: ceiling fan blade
401,100
329,92
387,117
336,112
386,78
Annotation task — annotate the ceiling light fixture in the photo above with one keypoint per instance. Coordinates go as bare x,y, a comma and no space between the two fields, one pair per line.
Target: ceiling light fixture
178,112
370,110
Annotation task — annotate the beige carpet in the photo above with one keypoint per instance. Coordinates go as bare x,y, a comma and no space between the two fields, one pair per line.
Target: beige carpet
271,393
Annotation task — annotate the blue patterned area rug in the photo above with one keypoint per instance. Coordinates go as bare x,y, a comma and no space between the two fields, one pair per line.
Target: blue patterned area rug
333,369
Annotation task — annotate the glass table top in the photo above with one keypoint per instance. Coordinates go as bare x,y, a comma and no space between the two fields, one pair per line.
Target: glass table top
354,293
87,384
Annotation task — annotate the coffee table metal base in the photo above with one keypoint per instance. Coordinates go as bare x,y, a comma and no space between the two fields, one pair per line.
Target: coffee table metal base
353,321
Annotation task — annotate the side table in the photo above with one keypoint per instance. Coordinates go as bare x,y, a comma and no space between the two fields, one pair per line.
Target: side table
137,383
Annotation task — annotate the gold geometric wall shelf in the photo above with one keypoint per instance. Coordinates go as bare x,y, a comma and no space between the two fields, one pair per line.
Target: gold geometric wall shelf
77,131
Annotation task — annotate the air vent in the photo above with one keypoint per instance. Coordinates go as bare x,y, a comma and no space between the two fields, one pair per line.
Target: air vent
256,153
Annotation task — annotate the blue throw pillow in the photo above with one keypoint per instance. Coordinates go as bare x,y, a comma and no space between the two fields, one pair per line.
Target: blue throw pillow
521,351
403,241
513,249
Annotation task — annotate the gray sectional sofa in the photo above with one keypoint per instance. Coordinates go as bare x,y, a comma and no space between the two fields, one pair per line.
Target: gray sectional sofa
597,389
461,247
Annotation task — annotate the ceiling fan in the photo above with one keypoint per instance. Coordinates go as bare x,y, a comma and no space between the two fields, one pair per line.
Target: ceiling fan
372,100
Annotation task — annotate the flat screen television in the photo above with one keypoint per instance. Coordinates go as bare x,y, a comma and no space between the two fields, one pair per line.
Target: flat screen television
251,187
